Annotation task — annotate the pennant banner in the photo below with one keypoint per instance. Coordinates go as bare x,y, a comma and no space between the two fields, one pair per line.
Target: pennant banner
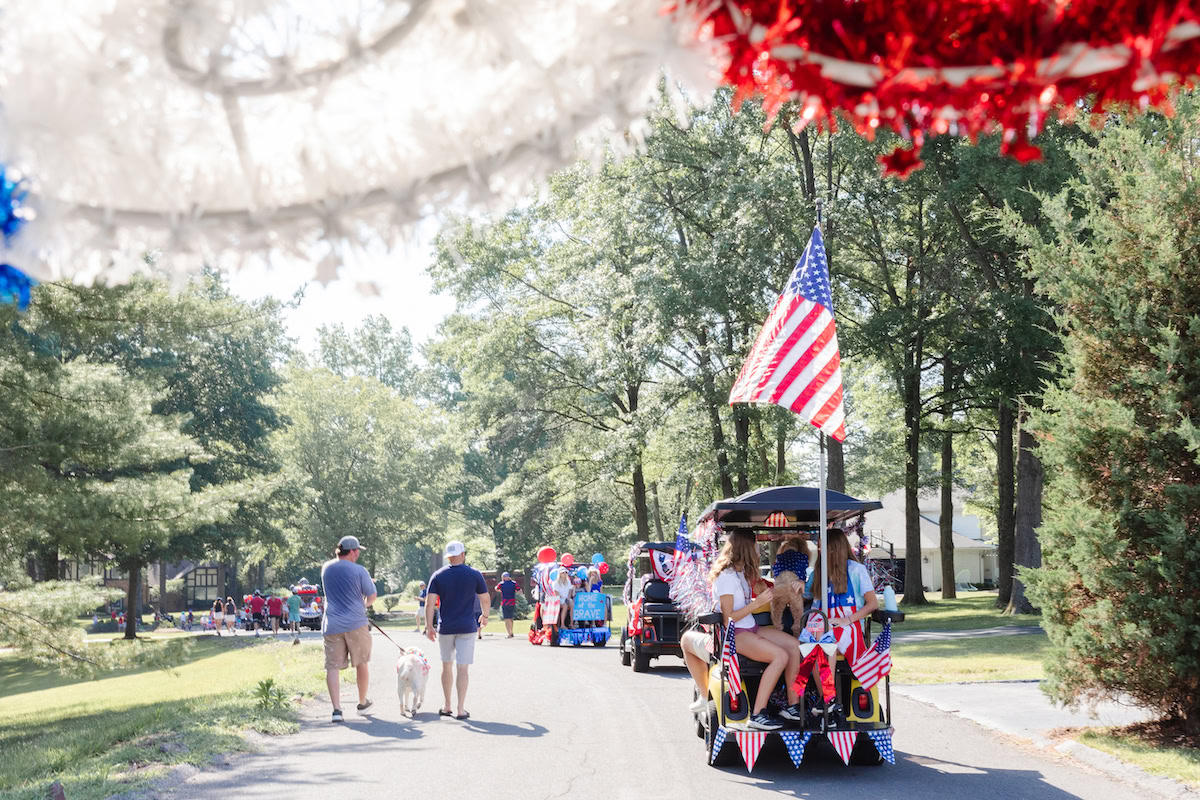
843,743
718,742
751,743
796,741
883,743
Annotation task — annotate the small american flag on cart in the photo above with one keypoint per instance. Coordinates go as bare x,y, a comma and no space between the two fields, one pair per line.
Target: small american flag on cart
795,362
730,658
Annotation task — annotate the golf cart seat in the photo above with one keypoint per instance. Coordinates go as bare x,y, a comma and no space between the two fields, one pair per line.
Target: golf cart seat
657,596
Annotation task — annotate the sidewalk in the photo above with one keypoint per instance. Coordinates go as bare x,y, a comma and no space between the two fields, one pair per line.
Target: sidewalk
1018,708
970,633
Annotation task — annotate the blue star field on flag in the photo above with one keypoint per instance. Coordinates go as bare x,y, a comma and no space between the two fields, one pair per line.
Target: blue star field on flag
883,743
796,741
719,741
811,276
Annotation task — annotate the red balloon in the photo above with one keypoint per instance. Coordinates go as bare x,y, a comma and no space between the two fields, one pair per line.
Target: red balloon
546,555
568,560
603,567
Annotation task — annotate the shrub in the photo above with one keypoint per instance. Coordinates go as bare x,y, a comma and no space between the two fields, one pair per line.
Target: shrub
390,602
1120,433
269,696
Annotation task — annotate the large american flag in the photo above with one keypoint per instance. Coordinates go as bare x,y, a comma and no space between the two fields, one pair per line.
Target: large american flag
795,361
730,658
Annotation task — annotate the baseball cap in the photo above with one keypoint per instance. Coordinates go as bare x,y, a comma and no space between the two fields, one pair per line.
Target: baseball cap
455,548
506,575
347,543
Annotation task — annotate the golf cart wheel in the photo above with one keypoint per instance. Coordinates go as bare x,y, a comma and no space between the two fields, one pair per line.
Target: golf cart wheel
625,657
865,754
699,717
641,661
728,754
554,637
599,642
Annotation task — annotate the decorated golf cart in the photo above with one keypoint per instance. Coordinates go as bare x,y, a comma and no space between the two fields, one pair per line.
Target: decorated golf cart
311,609
653,628
582,618
844,688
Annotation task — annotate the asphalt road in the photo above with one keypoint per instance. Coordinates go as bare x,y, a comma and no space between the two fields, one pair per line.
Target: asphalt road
571,722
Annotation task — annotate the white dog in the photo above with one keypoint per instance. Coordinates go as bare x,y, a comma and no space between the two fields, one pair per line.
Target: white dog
412,673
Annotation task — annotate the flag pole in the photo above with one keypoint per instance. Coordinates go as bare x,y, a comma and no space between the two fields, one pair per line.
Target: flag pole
822,522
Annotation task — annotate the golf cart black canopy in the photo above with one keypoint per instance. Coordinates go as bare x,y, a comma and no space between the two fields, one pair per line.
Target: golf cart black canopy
801,505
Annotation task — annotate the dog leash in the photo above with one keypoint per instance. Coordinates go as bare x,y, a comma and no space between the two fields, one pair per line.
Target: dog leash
390,639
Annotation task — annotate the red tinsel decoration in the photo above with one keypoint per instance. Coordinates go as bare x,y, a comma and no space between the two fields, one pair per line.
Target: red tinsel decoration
932,67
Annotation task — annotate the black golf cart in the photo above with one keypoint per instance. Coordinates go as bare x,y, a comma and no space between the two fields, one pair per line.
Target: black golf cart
653,627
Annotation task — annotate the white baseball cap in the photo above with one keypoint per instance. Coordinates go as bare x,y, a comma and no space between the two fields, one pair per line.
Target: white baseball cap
455,549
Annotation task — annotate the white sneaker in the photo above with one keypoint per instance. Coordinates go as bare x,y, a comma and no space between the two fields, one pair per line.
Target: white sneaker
698,705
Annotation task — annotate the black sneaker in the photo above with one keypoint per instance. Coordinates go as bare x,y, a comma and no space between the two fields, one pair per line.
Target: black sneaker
337,715
792,713
763,722
364,706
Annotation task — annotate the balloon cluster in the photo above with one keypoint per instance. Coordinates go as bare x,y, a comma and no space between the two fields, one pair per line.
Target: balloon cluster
548,555
931,67
15,285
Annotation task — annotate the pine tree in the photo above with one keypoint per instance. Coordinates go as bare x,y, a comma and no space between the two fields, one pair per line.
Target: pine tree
1119,433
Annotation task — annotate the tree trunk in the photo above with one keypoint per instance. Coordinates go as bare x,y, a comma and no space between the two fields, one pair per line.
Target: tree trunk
132,605
262,575
49,564
641,514
741,431
835,475
1005,522
780,456
1027,550
914,589
764,463
946,518
714,416
657,511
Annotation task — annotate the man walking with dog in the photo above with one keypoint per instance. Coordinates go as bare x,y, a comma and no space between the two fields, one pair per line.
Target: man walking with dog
457,588
349,590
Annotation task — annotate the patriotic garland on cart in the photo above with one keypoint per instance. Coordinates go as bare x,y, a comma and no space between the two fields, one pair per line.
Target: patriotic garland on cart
796,742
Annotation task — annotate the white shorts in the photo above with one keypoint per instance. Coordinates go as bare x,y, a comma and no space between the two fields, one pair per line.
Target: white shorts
218,617
457,647
698,643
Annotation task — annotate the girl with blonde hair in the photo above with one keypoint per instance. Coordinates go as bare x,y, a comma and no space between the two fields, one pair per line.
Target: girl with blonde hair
851,593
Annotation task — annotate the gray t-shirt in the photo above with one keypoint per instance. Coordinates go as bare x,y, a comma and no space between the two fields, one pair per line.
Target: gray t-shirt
346,586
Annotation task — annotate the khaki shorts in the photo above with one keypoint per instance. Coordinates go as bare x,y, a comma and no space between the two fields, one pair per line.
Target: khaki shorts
698,643
343,648
457,647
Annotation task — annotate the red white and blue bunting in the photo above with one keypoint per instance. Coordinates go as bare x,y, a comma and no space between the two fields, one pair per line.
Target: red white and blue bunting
883,743
663,564
751,743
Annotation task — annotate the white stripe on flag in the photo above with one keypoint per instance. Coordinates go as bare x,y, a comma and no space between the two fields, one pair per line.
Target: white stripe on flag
765,352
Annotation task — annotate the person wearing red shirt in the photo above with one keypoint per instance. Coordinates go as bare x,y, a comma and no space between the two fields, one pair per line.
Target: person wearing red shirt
256,610
275,609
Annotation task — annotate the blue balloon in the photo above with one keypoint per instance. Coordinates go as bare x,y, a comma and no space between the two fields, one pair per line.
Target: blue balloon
582,573
598,559
554,572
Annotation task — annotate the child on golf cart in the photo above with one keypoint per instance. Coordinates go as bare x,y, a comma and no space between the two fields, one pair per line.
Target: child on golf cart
851,593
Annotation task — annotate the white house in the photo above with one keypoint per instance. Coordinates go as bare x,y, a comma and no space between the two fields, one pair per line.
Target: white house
974,558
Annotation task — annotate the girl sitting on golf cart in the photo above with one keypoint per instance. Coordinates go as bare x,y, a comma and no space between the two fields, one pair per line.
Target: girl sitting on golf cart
851,592
733,573
562,587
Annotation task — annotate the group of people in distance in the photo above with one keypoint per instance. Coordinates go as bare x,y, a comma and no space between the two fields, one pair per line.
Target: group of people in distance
281,612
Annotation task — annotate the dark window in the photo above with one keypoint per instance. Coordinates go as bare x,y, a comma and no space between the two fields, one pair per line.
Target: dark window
200,587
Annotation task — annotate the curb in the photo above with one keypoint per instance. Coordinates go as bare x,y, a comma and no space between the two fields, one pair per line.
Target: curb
1156,785
1131,773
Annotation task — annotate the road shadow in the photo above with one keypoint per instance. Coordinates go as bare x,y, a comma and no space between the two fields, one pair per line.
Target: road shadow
822,774
384,728
525,730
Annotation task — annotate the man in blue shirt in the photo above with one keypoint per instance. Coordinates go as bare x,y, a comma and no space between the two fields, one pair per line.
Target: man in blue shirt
457,588
348,591
508,589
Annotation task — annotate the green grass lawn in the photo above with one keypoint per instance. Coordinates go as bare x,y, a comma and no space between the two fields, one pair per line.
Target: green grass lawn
986,658
1178,762
968,610
103,736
